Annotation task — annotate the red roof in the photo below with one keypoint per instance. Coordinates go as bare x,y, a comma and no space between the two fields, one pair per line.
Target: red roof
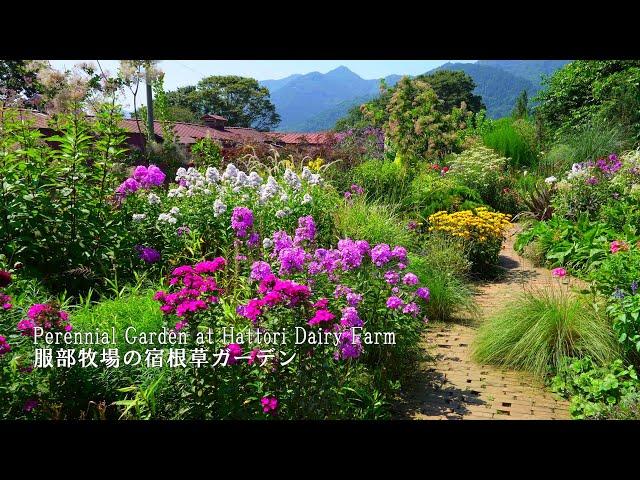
189,133
302,138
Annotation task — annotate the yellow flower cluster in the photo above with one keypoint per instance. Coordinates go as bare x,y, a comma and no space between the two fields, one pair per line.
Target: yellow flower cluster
478,225
316,164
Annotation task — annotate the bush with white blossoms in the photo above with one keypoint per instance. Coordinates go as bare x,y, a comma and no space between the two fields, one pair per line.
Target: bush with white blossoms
201,202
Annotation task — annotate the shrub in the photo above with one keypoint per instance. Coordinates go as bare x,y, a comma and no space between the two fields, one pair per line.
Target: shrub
482,230
513,140
557,161
374,222
482,170
538,329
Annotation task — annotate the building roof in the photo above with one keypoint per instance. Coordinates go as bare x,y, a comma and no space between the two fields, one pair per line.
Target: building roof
189,133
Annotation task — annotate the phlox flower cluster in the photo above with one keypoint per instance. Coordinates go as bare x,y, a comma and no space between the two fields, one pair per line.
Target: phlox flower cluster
142,178
194,289
45,315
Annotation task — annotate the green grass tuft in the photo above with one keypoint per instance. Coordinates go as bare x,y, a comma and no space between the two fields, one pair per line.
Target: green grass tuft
538,329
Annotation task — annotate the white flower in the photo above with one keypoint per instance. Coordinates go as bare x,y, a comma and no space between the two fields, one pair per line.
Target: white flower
230,173
153,199
306,199
212,175
176,192
524,174
267,243
174,211
167,218
284,197
550,180
312,178
139,217
241,179
269,190
292,179
254,179
281,214
218,207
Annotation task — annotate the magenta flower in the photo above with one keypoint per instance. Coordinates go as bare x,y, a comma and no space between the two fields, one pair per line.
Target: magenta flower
235,350
411,308
210,266
321,316
559,272
4,346
381,254
30,405
5,301
256,353
269,404
391,277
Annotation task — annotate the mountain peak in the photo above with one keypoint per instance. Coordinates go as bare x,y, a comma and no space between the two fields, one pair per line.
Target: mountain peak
342,71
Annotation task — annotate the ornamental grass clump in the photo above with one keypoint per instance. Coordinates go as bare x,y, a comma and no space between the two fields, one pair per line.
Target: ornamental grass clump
536,331
483,231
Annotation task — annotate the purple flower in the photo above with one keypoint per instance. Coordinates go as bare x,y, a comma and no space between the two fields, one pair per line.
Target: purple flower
5,278
411,308
341,290
410,279
148,254
423,293
291,260
618,294
4,346
183,230
130,185
592,181
391,277
394,302
348,346
281,240
306,230
634,287
254,240
260,270
354,299
381,254
235,350
350,254
350,318
399,253
241,221
30,405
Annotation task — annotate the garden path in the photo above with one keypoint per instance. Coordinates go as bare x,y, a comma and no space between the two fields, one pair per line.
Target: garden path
450,385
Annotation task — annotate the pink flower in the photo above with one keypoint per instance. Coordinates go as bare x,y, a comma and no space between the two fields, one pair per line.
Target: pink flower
558,272
321,316
617,245
235,350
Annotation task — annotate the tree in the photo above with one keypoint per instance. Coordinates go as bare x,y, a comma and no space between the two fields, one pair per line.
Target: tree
453,88
416,126
521,110
17,80
239,99
585,91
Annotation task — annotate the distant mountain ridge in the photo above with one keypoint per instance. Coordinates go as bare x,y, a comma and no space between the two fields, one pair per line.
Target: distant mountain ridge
315,101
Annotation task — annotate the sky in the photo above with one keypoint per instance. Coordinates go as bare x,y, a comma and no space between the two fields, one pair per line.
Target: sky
179,73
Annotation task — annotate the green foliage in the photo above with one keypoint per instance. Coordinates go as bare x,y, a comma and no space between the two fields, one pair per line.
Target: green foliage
557,161
56,216
382,180
538,329
594,140
374,222
514,139
481,169
587,90
598,391
430,192
207,151
443,266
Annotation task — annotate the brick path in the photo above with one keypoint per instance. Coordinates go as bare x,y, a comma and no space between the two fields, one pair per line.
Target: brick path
452,386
